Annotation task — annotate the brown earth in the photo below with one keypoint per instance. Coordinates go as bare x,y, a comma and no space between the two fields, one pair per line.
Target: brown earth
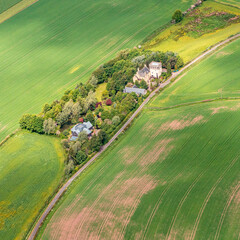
118,204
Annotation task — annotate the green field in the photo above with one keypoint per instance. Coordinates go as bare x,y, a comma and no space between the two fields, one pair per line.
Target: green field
215,77
174,174
6,4
235,3
52,45
31,168
194,35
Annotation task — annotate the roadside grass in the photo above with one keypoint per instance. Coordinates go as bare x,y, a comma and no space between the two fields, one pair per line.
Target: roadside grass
31,168
198,31
171,175
53,45
215,77
99,91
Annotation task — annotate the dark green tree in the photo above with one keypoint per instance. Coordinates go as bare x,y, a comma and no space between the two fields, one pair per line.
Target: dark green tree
80,157
143,85
25,121
177,16
94,144
90,117
169,71
103,137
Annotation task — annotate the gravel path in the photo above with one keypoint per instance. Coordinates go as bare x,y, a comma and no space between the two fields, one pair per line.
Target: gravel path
66,185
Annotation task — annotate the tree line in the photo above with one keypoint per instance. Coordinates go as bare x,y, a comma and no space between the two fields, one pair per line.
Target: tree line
80,104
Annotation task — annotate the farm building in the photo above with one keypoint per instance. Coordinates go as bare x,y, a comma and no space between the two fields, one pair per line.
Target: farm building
136,90
146,74
80,127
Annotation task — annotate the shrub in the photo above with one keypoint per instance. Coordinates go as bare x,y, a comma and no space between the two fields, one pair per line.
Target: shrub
116,120
177,16
65,133
82,137
103,137
69,168
90,117
80,157
49,126
109,102
32,123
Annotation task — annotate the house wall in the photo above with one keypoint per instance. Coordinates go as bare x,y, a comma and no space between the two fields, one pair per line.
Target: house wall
156,72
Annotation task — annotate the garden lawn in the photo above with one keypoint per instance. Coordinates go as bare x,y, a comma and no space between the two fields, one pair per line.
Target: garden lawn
31,168
190,45
173,175
215,77
53,45
102,87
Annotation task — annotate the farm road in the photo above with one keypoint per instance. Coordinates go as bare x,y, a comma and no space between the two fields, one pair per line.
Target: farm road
66,185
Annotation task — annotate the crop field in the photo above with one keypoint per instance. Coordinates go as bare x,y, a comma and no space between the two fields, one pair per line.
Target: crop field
6,4
52,45
12,10
31,168
174,175
214,77
197,32
235,3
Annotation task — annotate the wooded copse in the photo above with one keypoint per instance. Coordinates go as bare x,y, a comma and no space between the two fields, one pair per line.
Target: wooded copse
105,116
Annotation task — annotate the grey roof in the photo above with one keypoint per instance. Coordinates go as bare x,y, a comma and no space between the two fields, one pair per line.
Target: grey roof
135,90
87,131
143,72
73,138
86,126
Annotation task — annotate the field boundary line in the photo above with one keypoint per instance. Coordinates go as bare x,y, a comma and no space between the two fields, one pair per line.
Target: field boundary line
39,222
9,136
192,103
227,4
15,9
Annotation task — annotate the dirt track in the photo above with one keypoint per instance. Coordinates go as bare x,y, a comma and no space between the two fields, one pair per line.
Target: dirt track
66,185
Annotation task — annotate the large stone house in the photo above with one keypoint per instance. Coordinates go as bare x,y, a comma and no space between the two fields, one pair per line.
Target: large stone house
80,127
147,74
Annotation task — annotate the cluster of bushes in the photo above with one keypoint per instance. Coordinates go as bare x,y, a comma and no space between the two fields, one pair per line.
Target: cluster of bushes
80,104
120,70
105,121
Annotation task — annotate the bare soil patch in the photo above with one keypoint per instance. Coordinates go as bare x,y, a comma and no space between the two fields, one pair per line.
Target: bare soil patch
130,155
223,53
218,109
159,152
179,124
108,218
